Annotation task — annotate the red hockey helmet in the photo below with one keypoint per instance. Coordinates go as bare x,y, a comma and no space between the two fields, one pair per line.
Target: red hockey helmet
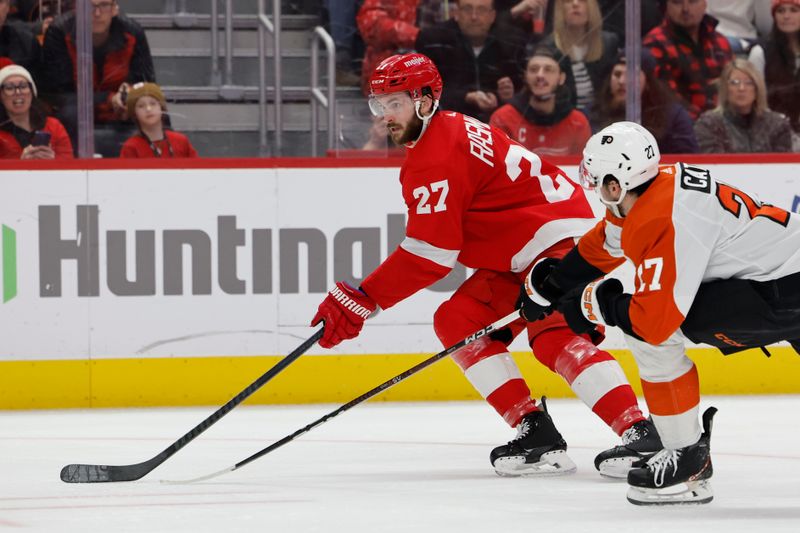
406,72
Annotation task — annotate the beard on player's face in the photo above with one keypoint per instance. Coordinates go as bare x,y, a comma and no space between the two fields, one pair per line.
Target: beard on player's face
404,134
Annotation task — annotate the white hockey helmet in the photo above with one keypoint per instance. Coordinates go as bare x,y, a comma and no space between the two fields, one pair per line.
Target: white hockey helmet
623,150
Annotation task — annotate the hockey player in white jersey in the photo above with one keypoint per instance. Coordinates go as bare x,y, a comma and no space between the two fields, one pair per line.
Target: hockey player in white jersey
713,264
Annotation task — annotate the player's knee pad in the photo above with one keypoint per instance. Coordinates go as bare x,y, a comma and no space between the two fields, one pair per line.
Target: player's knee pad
566,353
454,320
662,362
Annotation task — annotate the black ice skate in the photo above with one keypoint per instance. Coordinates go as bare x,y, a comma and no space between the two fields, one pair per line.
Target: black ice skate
676,476
538,449
640,441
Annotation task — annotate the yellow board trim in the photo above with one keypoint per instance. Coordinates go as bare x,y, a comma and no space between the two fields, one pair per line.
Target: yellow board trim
184,381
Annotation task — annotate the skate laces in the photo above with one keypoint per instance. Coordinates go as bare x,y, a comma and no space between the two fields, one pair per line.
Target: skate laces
631,435
523,429
661,462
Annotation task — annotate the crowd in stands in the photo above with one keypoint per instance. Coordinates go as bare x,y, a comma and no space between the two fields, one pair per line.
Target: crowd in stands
39,56
716,75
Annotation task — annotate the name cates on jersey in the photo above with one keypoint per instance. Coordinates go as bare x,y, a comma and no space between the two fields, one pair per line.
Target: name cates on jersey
685,230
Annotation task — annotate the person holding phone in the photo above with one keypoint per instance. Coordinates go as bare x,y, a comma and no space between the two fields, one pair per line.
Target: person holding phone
26,132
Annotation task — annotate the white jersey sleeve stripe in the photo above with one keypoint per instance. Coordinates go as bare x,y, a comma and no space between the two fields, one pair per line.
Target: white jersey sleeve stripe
549,234
613,243
440,256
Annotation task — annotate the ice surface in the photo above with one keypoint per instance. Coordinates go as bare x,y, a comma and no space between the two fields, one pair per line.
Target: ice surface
379,467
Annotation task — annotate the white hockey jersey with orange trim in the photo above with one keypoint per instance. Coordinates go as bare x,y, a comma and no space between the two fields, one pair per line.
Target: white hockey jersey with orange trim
479,198
685,230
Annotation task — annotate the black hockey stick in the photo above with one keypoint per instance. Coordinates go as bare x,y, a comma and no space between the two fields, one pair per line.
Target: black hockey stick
366,396
80,473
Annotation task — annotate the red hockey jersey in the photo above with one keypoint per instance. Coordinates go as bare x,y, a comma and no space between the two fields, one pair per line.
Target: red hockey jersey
566,137
476,197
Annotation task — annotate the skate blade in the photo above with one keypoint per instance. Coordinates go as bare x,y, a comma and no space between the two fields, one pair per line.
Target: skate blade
617,467
690,493
555,463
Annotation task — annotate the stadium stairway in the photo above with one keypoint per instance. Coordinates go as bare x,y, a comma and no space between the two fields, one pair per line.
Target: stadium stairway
225,123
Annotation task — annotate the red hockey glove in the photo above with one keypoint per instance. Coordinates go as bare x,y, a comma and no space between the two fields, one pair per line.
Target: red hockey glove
344,311
586,308
539,294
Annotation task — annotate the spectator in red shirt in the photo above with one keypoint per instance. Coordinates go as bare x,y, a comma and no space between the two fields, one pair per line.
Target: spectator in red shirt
386,26
690,54
147,105
26,132
542,117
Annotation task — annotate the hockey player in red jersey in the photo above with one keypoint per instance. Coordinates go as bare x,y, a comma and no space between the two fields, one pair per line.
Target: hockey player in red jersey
476,197
713,264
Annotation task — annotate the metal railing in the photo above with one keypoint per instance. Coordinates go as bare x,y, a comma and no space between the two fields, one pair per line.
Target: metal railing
317,96
216,76
274,28
84,85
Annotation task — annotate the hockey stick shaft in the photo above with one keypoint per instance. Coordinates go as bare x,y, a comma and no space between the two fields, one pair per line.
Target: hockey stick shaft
84,473
501,323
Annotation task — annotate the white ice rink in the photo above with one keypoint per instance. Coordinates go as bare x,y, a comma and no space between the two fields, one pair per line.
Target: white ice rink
377,468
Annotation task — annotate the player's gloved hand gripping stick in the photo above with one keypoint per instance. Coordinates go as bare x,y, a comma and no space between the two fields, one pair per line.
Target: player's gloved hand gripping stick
585,309
539,294
344,311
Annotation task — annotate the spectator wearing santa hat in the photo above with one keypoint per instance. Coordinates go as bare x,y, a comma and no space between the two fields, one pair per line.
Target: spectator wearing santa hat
147,108
26,132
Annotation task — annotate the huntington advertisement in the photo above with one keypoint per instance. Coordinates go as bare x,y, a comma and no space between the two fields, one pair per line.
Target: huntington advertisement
208,262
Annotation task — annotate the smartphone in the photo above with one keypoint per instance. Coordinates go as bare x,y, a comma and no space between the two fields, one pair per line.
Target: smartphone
41,138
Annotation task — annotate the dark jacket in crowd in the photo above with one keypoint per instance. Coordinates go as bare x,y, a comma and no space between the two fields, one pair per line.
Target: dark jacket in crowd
598,70
722,131
783,79
676,136
463,72
124,58
19,44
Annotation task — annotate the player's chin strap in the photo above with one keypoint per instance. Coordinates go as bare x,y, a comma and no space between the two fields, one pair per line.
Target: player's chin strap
613,206
425,120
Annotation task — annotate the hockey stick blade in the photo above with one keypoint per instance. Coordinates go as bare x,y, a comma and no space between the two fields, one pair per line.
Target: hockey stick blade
84,473
487,331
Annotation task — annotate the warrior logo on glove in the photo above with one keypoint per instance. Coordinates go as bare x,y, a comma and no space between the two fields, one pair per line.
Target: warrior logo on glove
349,304
344,311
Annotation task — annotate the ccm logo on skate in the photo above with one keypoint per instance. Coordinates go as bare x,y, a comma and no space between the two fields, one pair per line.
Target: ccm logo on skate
350,304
